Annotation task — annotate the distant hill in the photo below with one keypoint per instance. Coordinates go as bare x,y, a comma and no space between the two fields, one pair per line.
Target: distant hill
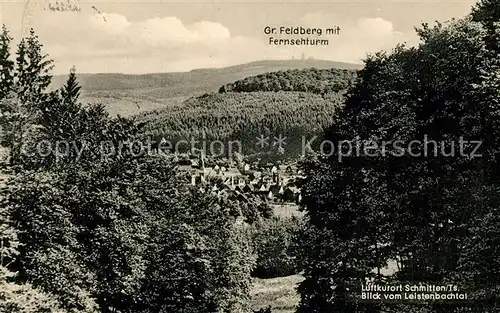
128,94
313,80
244,117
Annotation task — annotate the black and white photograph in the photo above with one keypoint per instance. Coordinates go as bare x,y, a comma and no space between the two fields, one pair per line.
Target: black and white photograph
249,156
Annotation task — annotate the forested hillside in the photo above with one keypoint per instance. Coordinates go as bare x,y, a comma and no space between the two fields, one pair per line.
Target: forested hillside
307,80
246,116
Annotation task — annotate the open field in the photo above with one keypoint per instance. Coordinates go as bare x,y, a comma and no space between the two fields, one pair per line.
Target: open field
286,210
129,103
279,293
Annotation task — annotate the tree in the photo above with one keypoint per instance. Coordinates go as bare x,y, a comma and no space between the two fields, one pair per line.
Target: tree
6,64
9,242
22,92
15,121
202,263
70,92
16,294
23,298
120,225
403,204
32,71
274,245
88,217
486,12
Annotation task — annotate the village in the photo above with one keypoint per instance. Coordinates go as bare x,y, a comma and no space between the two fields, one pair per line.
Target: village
275,183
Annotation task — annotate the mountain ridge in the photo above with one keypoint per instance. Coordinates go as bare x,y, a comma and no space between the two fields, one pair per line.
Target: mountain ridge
260,66
130,94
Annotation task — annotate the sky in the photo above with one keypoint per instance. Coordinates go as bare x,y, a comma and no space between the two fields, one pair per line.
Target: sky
171,36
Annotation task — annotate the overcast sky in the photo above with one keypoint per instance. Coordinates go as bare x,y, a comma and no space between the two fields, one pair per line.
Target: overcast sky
168,36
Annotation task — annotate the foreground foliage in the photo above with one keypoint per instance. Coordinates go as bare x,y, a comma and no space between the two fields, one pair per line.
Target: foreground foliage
274,242
434,214
97,229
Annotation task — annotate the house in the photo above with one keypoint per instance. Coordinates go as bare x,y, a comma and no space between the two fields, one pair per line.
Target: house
233,177
277,178
270,195
210,174
291,169
277,191
182,162
187,172
285,180
263,191
227,192
267,179
248,188
240,189
256,175
292,194
244,168
242,181
226,186
233,171
263,188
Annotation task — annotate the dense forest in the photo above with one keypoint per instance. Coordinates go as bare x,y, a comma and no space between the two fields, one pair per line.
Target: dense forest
244,117
313,80
435,214
83,230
